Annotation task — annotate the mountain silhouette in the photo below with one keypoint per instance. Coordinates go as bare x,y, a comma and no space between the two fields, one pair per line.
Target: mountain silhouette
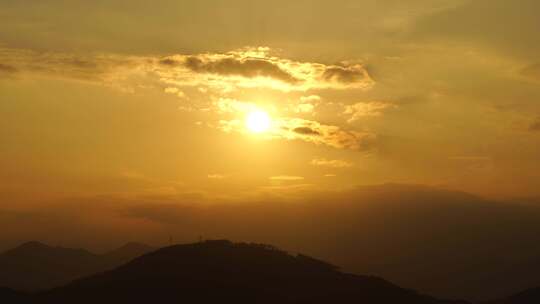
12,297
35,266
226,272
444,243
529,296
127,252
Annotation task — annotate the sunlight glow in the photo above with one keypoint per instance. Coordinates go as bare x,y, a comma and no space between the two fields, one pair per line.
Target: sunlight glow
258,121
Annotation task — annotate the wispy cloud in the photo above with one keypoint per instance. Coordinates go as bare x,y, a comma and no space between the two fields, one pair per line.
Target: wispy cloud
321,134
363,109
7,70
216,76
532,72
332,163
286,178
535,126
256,67
244,68
310,98
309,131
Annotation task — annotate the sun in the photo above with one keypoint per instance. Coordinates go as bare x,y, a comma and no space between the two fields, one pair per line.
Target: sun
258,121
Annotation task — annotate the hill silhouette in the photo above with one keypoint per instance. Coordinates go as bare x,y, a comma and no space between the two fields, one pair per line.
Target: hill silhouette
127,252
35,266
226,272
12,297
529,296
445,243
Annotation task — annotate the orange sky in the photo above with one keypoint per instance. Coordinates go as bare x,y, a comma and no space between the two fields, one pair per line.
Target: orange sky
135,101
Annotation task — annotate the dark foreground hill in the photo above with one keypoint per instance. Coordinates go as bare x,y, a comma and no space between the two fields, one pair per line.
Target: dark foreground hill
225,272
529,296
35,266
11,296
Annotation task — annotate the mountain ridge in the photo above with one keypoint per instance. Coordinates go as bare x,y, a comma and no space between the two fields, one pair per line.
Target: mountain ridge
528,296
228,272
34,266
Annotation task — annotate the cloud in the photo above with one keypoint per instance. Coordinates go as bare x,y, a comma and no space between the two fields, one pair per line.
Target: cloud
363,109
532,72
535,126
216,176
293,128
310,98
309,131
304,108
231,105
175,91
169,62
245,67
320,134
333,163
306,131
219,74
109,69
286,178
345,74
171,90
255,67
7,70
307,104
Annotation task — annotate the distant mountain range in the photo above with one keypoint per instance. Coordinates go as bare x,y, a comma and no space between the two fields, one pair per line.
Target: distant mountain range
223,272
35,266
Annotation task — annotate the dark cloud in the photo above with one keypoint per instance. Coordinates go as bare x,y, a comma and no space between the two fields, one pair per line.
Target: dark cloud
235,69
82,63
535,126
333,136
345,74
65,65
4,68
7,70
169,62
306,131
250,67
532,72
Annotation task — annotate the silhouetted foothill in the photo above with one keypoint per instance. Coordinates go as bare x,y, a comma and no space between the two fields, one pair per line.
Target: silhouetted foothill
226,272
35,266
529,296
12,297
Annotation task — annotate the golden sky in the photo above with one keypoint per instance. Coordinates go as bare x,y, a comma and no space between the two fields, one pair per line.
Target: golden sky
163,100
